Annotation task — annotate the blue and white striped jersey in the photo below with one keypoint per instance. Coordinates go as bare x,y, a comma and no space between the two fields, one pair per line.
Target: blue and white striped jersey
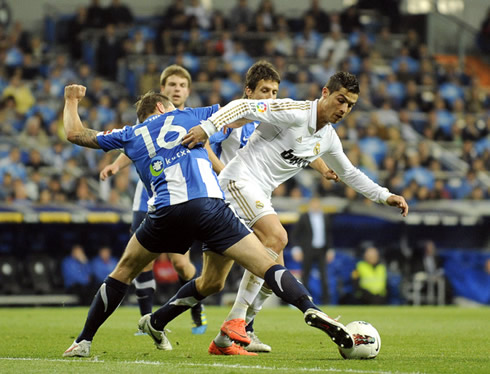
173,173
140,199
225,144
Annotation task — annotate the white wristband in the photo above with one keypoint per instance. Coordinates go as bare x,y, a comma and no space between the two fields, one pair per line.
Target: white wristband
208,127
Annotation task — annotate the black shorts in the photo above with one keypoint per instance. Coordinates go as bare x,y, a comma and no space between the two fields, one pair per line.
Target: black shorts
172,229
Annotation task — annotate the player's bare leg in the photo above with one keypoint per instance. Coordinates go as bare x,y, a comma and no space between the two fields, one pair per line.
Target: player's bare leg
183,265
253,292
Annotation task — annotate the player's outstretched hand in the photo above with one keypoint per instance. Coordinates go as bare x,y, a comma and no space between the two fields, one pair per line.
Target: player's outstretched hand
195,136
75,91
399,202
108,171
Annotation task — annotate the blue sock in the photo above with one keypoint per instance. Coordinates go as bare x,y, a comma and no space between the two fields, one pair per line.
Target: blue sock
250,326
145,289
196,309
184,299
288,288
110,295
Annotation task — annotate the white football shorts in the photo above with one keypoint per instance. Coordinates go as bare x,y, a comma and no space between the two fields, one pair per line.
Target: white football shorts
249,200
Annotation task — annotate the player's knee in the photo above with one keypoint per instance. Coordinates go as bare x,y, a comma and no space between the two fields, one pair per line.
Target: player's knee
126,270
211,286
277,241
184,268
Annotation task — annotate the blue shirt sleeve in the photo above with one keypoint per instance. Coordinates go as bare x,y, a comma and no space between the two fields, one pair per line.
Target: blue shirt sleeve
205,112
220,136
114,139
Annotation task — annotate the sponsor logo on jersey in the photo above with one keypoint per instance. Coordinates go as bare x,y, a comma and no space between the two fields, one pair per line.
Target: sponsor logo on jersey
156,166
259,204
261,107
316,150
299,140
290,158
178,155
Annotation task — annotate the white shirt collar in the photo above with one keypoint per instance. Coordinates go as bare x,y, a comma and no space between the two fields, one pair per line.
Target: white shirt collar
312,124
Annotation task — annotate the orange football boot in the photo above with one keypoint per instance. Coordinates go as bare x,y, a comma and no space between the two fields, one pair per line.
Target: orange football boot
235,330
232,350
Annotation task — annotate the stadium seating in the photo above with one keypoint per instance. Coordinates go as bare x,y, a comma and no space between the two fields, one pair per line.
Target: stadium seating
10,276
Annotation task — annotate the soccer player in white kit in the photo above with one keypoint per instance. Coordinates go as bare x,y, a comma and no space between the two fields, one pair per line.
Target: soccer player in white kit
261,82
291,136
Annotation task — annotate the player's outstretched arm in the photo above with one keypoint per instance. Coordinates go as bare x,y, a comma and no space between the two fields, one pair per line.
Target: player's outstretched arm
399,202
215,161
119,163
75,132
235,114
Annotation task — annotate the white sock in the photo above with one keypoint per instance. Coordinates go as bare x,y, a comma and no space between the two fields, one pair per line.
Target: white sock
258,303
250,286
222,340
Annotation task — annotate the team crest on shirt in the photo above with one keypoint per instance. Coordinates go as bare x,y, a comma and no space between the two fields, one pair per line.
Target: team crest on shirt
316,150
156,166
259,204
261,107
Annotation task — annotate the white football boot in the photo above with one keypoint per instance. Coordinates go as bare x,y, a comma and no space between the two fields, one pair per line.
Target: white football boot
256,345
81,349
159,337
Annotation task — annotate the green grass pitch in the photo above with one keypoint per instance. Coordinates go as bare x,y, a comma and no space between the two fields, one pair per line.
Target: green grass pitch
414,340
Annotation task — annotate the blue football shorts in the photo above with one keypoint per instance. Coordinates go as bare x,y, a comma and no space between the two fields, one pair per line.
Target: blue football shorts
173,228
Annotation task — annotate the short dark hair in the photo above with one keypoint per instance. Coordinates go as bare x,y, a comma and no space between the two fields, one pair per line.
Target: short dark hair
342,79
148,102
261,70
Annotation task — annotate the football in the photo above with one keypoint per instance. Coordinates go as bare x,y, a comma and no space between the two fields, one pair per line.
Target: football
367,342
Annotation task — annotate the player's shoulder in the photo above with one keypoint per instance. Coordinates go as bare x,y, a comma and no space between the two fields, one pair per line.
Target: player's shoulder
213,107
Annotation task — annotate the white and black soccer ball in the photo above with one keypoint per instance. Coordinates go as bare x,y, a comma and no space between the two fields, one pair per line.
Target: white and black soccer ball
367,342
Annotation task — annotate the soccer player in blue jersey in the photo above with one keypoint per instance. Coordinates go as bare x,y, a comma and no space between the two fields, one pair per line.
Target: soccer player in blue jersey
187,204
175,83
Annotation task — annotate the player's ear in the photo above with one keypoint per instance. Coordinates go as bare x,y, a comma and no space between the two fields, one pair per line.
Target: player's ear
248,92
160,108
325,91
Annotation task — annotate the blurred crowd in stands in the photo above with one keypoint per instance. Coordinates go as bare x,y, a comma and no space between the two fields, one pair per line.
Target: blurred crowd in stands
82,276
421,126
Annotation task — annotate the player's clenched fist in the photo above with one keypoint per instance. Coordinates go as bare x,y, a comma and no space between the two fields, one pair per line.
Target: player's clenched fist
75,91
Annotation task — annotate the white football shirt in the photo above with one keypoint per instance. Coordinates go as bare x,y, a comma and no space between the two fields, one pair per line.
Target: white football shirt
285,142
